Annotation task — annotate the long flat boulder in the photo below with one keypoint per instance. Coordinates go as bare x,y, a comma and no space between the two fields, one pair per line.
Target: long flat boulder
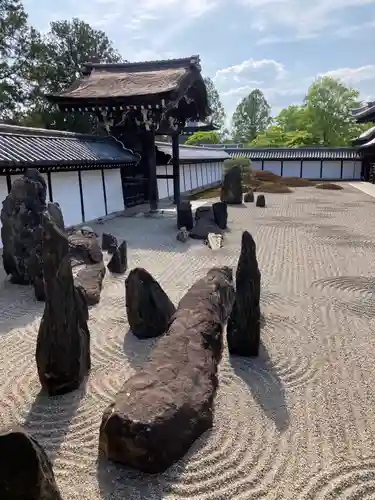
163,409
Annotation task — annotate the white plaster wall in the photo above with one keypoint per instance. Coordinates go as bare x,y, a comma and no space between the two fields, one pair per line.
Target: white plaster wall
292,168
3,195
273,166
256,165
192,176
357,169
348,170
311,169
113,187
65,190
331,169
93,196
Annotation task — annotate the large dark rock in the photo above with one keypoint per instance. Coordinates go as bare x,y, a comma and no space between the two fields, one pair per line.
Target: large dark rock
204,224
243,329
21,231
87,262
148,307
249,196
220,210
26,472
204,212
119,260
163,409
261,201
63,343
231,191
108,241
185,215
56,214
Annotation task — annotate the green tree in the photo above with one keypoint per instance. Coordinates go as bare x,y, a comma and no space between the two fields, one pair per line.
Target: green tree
294,118
329,103
16,40
203,138
217,108
60,56
252,116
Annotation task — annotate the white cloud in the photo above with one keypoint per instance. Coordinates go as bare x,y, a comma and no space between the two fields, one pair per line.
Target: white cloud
280,86
353,76
302,17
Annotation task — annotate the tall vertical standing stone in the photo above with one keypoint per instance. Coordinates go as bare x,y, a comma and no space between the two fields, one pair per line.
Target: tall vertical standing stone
185,215
243,328
231,190
63,344
21,231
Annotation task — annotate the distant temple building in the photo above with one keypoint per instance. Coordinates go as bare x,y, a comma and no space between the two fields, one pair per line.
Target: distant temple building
366,141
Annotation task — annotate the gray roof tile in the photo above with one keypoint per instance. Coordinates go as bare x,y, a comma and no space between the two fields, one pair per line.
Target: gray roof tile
27,145
296,153
194,153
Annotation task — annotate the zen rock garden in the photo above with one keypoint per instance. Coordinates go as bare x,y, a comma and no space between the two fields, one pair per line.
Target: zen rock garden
164,407
211,223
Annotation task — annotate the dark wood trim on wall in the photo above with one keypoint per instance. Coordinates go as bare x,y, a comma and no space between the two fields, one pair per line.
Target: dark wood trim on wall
321,169
342,169
81,195
282,168
176,170
262,164
49,182
9,182
104,192
301,169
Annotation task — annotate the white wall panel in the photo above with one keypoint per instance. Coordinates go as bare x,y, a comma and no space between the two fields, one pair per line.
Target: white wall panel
348,170
113,187
311,169
331,169
256,165
65,190
292,168
3,195
357,169
93,195
273,166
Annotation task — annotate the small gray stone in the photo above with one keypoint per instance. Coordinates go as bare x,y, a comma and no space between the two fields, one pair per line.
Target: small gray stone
182,235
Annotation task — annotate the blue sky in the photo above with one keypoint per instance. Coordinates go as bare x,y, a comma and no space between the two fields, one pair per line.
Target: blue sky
279,46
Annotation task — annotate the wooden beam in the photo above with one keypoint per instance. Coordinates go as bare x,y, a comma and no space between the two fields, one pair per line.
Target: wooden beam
49,182
150,153
81,195
104,192
176,170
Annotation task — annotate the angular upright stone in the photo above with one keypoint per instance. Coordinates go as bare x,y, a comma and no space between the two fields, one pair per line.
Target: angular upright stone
231,190
148,307
185,215
243,328
56,214
162,409
108,241
87,262
119,261
26,472
21,231
261,201
249,196
63,343
220,211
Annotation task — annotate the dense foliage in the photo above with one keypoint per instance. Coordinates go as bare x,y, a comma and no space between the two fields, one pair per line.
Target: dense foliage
199,138
33,64
323,119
